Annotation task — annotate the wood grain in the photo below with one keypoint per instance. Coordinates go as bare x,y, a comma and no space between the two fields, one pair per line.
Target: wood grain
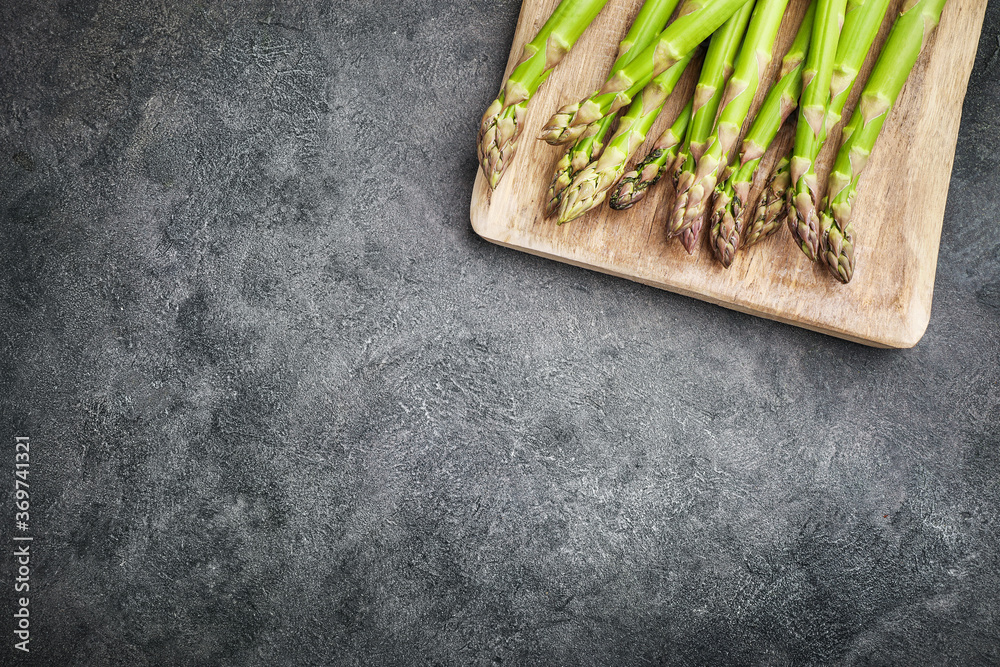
898,212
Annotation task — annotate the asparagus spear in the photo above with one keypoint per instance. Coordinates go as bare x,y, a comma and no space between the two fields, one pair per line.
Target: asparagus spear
718,65
812,113
590,186
751,64
575,159
861,23
724,228
634,184
771,209
730,210
504,119
906,40
783,97
697,20
646,27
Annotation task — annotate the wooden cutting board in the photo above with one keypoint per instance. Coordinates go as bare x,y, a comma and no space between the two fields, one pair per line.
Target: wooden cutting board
899,207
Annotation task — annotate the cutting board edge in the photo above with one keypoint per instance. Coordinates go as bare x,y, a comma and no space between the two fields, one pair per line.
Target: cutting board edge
906,336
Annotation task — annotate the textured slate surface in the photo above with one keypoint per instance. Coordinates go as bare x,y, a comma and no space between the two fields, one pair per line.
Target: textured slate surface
286,408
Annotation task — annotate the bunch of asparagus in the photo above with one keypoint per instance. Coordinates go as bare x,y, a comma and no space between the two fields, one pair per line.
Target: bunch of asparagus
712,170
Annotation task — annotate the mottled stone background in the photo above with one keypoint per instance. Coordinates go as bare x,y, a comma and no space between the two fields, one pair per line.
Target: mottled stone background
287,409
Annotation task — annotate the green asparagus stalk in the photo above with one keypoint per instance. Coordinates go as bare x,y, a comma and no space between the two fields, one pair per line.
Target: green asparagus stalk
818,73
636,183
812,114
646,27
590,186
902,48
730,209
861,24
771,210
718,65
724,227
576,158
783,97
751,65
502,123
697,20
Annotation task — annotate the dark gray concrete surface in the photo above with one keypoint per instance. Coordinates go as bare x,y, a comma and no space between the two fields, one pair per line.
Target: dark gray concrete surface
285,408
